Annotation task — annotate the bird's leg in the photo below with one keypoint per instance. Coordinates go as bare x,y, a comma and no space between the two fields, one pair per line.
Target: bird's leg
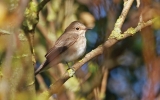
71,70
68,65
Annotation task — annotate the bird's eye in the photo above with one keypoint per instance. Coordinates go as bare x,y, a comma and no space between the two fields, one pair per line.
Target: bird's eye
77,28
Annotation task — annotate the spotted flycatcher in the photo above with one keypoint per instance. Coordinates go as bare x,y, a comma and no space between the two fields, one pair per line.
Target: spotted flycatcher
69,47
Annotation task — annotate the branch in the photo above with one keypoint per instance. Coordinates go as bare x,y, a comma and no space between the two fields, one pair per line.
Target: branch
42,4
30,22
131,31
113,38
55,87
138,3
117,28
32,15
4,32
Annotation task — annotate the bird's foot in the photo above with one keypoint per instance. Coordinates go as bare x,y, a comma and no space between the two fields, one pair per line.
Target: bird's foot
71,71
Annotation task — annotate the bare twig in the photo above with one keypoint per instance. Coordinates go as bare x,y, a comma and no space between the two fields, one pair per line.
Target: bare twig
4,32
42,83
42,4
138,3
124,13
117,28
103,84
96,93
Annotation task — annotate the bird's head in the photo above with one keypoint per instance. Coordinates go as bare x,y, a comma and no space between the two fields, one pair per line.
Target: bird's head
76,27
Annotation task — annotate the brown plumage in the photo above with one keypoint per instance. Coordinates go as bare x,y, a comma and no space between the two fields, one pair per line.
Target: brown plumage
69,46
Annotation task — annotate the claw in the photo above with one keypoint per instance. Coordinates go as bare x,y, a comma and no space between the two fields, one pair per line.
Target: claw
71,71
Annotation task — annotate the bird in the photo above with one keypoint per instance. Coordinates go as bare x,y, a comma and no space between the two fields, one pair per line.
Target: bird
70,46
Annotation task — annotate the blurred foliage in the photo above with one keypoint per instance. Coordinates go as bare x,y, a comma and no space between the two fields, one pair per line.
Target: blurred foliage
128,71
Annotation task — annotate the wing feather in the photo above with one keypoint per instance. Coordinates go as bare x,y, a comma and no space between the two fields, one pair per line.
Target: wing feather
61,45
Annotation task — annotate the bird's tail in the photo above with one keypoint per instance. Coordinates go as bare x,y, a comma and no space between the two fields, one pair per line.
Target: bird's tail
41,67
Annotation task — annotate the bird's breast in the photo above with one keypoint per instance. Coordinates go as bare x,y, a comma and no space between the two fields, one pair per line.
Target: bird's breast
76,50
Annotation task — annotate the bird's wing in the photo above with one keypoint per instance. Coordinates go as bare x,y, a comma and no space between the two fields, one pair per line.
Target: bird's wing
61,45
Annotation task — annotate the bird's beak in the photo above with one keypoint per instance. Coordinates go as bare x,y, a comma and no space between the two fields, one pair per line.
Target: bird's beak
88,28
